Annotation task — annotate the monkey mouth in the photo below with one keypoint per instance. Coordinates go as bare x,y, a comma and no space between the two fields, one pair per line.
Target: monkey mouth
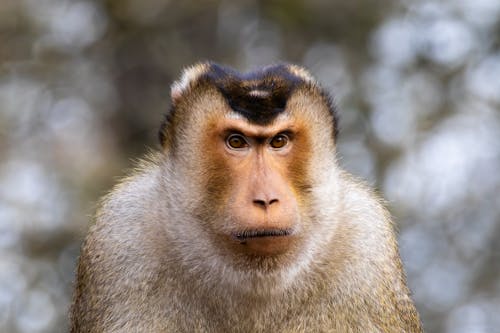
249,234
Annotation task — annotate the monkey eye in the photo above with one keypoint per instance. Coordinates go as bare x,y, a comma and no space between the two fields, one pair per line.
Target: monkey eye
236,141
279,141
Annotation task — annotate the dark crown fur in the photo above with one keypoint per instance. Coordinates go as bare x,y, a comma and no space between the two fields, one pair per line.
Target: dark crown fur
260,95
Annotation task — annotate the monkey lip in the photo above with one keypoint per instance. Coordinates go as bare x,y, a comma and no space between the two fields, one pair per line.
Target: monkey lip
262,233
263,242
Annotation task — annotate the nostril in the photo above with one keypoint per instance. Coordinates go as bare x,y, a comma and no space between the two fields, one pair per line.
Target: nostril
261,203
273,201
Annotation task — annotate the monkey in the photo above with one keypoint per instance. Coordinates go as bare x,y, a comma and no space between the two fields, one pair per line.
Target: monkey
243,221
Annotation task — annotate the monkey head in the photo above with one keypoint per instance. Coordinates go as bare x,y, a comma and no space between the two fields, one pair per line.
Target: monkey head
250,153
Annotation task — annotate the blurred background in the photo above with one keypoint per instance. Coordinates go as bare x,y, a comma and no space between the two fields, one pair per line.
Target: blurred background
84,85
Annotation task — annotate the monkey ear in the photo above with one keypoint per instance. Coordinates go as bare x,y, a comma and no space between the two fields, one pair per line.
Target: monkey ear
189,76
164,134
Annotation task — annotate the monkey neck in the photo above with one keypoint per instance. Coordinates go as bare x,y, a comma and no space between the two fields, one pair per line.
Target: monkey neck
217,279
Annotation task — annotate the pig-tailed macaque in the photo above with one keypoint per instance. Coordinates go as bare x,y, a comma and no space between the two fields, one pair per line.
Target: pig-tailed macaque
243,222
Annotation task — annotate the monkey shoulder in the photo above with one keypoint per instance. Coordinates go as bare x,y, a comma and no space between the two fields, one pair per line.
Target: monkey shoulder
119,267
126,225
364,209
373,260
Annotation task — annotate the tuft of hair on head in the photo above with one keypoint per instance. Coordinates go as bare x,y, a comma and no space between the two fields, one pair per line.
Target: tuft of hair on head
189,75
302,73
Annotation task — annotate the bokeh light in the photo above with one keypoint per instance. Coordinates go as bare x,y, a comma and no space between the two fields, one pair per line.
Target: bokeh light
84,85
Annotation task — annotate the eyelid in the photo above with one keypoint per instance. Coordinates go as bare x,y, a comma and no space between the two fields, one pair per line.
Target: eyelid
280,135
238,135
288,133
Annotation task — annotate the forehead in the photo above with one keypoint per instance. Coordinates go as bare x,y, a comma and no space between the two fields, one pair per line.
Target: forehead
260,96
302,109
235,121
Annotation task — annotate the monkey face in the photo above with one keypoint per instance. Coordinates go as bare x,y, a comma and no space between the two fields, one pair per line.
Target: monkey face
247,144
254,186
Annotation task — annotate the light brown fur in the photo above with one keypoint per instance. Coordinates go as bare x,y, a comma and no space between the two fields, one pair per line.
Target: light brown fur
156,259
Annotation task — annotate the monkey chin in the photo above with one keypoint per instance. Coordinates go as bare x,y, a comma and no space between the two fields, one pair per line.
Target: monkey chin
263,242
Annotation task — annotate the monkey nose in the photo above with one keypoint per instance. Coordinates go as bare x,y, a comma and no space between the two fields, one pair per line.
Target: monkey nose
265,203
